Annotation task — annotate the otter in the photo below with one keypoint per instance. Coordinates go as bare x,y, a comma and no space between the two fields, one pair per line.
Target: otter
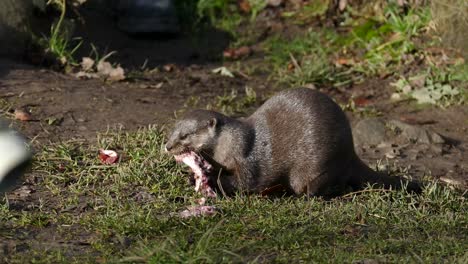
299,139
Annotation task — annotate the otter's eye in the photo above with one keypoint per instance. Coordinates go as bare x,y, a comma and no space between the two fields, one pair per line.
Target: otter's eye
183,136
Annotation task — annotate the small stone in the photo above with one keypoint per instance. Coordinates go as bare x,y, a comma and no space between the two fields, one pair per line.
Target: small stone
436,138
416,133
370,131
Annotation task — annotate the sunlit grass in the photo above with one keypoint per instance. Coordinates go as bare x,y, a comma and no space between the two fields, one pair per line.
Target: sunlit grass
131,210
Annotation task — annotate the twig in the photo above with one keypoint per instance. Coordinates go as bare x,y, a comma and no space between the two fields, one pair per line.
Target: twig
243,75
294,61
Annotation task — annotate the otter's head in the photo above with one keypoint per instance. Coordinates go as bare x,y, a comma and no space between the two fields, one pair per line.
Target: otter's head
196,131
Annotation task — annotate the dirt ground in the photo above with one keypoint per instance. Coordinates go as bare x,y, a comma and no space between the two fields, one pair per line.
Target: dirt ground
81,108
84,107
64,107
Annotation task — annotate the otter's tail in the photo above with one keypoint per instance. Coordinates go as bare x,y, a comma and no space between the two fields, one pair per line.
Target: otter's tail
361,175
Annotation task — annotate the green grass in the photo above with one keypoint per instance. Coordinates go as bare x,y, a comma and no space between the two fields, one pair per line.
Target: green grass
234,104
230,103
126,212
310,11
224,15
221,14
378,41
303,59
386,42
377,45
60,43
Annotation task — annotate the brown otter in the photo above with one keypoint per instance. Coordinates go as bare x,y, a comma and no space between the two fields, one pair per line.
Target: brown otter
299,138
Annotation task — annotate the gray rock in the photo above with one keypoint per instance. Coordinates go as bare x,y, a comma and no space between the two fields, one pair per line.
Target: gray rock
370,131
416,133
436,138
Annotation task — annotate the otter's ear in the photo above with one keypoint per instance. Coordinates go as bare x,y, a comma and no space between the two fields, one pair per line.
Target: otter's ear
212,122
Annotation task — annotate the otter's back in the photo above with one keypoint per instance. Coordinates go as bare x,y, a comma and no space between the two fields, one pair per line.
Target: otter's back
304,128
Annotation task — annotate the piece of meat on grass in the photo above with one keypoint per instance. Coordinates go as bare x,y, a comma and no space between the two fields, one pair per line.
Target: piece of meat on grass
198,210
201,168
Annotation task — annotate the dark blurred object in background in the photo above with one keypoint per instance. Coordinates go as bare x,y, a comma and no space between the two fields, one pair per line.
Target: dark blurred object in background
147,16
15,18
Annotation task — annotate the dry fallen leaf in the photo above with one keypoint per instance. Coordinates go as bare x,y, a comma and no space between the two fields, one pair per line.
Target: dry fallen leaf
104,67
108,156
86,75
394,38
344,61
87,64
243,51
111,73
361,101
229,53
244,6
223,71
22,115
117,74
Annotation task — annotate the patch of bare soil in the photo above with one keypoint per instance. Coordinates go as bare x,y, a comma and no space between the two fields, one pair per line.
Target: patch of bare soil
65,107
444,161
